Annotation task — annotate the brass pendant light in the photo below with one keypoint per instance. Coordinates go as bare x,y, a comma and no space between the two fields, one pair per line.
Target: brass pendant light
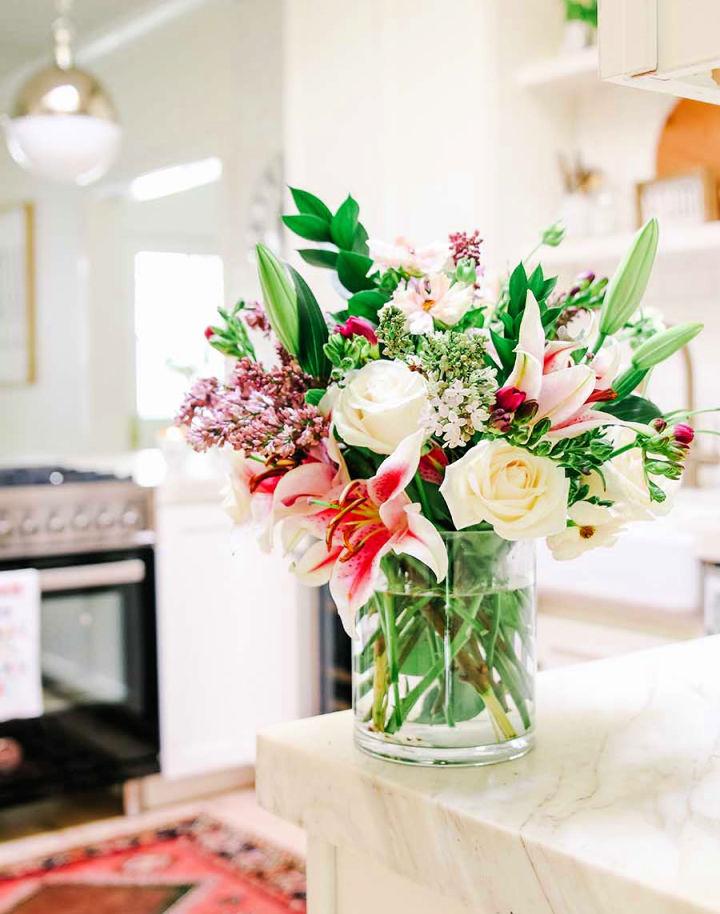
63,125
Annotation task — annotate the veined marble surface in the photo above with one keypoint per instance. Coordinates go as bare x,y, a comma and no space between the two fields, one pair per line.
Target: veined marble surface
617,811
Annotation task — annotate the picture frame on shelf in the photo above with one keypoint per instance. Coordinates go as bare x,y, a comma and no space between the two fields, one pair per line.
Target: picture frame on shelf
687,198
18,362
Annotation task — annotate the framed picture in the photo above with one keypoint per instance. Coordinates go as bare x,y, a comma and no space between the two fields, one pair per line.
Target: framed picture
682,199
17,294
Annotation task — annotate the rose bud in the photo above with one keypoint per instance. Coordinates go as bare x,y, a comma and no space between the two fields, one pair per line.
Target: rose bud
659,424
526,411
209,333
509,399
683,434
588,276
357,326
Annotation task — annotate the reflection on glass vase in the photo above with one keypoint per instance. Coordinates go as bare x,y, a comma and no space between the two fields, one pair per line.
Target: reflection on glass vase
444,674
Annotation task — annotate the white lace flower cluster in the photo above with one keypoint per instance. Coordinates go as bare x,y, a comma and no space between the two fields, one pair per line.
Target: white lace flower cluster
457,411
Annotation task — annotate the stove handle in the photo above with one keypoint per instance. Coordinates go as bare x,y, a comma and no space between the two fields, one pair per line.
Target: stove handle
102,574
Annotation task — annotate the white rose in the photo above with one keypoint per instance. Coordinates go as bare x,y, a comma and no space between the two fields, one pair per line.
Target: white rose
382,403
521,495
594,525
626,485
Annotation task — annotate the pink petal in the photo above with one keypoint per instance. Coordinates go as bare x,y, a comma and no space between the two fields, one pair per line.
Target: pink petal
531,338
557,355
396,471
422,541
606,364
298,490
526,375
354,581
564,392
316,564
583,421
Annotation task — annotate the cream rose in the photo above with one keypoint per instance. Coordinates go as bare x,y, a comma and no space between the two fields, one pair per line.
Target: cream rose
521,495
382,403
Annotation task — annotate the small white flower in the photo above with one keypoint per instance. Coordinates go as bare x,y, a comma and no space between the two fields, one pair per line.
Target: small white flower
594,525
432,298
402,255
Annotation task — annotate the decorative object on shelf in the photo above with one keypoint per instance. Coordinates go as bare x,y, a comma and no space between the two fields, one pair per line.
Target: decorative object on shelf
17,301
581,21
683,199
588,207
410,448
689,139
63,125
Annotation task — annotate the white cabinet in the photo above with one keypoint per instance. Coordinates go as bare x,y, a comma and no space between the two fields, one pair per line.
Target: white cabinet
670,46
233,640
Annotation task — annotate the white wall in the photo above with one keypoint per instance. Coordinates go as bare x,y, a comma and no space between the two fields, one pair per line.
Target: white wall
207,83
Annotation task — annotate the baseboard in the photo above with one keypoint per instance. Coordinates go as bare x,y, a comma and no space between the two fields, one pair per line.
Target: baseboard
156,791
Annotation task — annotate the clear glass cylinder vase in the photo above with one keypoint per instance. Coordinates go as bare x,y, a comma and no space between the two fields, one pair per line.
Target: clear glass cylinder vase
444,674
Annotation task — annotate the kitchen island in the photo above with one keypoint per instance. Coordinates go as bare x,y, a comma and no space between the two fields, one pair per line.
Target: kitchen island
617,809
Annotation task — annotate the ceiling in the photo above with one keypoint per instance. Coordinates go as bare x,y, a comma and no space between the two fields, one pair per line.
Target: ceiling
25,25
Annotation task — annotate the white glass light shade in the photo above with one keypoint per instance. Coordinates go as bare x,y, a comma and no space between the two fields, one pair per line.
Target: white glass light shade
63,126
72,148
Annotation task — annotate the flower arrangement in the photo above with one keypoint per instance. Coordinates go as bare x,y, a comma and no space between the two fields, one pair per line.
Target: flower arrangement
425,407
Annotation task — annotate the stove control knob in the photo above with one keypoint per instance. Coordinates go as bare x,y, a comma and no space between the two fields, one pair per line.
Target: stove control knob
6,526
130,517
56,523
105,520
81,521
29,526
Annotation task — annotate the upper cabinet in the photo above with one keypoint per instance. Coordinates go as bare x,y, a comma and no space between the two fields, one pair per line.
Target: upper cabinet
670,46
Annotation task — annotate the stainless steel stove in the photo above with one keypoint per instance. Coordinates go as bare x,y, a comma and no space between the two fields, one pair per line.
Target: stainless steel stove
47,510
90,537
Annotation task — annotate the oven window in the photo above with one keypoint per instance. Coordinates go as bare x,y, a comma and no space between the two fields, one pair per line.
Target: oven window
83,649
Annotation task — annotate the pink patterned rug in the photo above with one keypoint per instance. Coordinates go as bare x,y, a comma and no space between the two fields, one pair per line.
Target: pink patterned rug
199,866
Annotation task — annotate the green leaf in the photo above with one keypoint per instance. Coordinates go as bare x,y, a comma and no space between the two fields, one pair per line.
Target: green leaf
517,288
366,304
310,205
465,703
536,282
279,298
550,316
344,223
419,660
314,395
474,318
360,245
505,349
632,409
352,271
306,226
548,286
313,331
318,257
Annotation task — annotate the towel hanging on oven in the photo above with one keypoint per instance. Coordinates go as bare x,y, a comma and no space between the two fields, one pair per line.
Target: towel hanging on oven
20,682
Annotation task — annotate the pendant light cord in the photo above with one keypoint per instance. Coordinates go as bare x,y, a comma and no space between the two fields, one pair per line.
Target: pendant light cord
63,34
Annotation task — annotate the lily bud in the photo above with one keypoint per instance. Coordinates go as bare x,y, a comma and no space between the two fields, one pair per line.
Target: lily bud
664,344
627,287
684,434
280,299
553,235
510,398
466,272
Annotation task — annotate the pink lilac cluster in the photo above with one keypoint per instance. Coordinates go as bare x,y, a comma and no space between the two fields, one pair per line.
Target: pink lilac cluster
465,247
261,412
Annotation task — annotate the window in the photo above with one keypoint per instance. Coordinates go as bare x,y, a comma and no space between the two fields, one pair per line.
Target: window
176,296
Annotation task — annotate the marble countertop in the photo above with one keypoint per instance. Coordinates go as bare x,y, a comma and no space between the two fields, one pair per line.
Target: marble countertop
617,809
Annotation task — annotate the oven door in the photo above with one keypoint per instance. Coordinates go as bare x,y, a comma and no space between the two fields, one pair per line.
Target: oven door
99,678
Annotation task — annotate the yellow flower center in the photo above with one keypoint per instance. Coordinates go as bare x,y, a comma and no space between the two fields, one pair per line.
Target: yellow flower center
587,532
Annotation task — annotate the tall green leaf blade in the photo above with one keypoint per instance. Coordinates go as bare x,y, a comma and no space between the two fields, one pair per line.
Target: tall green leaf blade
310,205
313,331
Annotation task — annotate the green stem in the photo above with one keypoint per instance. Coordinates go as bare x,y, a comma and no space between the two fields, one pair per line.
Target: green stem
387,618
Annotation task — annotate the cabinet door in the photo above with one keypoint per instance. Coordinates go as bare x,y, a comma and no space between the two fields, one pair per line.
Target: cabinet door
234,641
670,46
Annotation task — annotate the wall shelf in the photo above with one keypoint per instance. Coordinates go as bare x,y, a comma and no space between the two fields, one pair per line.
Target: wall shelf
590,251
579,68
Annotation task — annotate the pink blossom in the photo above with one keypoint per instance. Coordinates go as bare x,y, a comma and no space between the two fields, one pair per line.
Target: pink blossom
357,326
683,434
509,398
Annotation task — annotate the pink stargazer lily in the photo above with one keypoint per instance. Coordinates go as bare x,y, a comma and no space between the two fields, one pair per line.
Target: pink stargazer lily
564,391
366,521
